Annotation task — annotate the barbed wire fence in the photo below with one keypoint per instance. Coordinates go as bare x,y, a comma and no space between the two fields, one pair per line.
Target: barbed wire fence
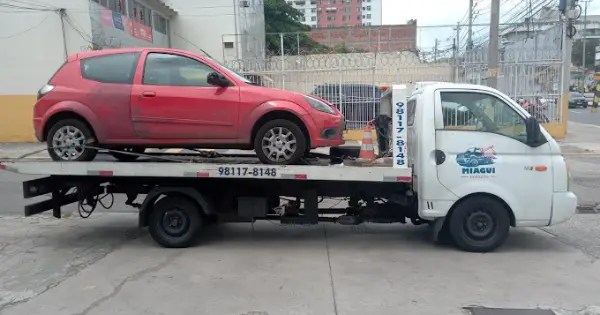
348,66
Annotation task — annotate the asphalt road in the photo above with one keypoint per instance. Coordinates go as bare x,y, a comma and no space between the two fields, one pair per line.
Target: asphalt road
584,116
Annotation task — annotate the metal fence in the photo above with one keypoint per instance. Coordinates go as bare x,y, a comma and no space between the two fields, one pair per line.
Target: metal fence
348,67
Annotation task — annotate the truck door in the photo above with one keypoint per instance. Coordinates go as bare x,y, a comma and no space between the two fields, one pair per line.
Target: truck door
484,141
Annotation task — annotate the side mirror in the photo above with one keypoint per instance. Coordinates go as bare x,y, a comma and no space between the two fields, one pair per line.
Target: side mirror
217,79
534,133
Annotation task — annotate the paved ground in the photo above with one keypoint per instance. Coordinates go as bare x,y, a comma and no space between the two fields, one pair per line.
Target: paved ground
585,116
106,265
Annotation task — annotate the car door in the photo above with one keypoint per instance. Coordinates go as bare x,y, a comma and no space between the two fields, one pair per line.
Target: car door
173,100
484,142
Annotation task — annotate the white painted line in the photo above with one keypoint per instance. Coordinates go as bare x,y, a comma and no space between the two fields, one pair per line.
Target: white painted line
575,112
584,125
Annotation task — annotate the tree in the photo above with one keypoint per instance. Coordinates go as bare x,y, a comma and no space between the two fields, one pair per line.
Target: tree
590,52
281,18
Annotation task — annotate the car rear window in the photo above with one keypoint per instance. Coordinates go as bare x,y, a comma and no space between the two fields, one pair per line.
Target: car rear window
117,68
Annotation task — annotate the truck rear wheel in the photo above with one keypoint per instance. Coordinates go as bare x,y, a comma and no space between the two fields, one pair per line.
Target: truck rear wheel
175,221
479,224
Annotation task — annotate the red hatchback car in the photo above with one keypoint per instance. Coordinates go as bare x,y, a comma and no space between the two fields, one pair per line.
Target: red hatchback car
137,98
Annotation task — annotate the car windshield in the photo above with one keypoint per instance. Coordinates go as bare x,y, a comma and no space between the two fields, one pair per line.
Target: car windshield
230,71
575,94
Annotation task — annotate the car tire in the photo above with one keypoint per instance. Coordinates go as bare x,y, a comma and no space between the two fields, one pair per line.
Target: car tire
584,106
175,221
76,130
479,224
283,130
127,157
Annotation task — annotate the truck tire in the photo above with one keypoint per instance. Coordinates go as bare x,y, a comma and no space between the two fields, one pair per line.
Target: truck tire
175,221
70,132
270,142
479,224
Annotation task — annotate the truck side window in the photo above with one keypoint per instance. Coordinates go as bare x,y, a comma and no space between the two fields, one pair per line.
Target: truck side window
481,112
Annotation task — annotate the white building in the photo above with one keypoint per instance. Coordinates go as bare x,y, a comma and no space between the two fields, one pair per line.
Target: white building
36,36
372,12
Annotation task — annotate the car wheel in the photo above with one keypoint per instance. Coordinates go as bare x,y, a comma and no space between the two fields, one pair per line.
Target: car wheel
67,139
584,106
280,142
123,157
175,221
479,224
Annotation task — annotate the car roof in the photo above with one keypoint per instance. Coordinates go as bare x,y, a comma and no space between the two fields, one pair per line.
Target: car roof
103,52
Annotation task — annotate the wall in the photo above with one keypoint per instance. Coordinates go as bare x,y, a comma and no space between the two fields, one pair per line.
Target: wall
375,38
204,25
36,51
108,36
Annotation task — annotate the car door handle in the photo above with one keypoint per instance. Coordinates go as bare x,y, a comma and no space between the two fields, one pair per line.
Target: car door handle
148,94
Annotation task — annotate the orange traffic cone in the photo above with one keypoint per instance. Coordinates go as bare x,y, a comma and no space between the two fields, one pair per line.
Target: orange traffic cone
367,150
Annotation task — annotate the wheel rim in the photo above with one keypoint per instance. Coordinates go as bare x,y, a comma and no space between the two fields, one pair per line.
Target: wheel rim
68,143
279,144
474,162
479,224
175,222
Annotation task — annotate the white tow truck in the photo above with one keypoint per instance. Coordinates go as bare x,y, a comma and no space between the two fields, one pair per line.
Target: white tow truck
465,159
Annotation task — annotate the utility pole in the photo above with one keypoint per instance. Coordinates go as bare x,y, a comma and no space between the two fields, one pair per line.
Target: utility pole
567,48
584,39
470,30
492,77
457,52
435,50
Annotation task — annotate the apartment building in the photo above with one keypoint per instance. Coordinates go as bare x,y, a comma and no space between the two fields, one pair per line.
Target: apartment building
339,13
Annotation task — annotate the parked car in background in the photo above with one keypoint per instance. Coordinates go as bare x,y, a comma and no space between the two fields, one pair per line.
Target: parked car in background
136,98
577,99
358,102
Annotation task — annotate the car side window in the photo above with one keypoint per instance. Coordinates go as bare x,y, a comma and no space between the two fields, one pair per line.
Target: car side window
175,70
116,68
481,112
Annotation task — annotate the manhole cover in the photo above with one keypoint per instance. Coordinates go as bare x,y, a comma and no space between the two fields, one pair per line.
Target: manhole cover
507,311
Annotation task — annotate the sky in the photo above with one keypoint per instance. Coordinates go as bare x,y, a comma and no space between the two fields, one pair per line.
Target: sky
449,12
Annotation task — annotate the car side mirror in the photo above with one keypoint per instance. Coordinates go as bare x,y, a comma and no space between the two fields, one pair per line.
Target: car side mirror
535,137
217,79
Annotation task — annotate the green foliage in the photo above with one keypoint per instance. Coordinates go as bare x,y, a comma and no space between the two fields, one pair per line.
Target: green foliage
590,52
281,18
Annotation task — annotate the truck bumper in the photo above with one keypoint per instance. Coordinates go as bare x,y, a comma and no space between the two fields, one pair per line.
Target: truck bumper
564,205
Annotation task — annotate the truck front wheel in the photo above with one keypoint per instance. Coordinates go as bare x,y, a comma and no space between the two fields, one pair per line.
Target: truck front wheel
175,221
479,224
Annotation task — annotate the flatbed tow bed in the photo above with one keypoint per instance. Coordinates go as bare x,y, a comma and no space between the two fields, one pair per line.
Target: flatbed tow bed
224,192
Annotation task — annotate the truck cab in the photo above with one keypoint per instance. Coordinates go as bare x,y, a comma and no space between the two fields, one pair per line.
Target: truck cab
485,149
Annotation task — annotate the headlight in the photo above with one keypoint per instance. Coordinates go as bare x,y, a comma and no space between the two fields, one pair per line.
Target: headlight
318,105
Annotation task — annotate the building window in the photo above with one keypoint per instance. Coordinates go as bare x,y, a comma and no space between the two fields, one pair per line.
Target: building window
347,9
358,17
313,26
313,18
330,25
140,13
331,18
313,10
346,18
114,5
368,16
368,8
346,1
357,9
160,23
330,1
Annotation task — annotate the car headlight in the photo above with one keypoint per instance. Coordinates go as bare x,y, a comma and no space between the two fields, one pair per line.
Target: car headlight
318,105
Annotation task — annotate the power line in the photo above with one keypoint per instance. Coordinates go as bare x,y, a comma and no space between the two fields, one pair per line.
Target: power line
27,30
